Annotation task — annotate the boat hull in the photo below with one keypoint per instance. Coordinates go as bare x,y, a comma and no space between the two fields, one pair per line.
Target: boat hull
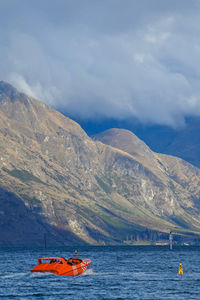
62,267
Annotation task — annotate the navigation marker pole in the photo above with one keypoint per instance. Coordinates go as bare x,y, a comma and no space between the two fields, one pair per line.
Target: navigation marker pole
170,240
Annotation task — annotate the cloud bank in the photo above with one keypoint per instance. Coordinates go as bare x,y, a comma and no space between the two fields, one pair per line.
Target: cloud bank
110,58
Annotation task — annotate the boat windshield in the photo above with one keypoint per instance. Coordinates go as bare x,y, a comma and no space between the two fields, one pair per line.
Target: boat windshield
50,260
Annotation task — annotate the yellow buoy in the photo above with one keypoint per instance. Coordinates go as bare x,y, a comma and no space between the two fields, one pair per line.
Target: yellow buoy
180,269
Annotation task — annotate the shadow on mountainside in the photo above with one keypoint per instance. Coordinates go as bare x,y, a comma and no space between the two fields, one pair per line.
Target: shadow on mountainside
23,227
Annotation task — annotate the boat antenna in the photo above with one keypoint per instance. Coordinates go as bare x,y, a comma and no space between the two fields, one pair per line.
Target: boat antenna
76,253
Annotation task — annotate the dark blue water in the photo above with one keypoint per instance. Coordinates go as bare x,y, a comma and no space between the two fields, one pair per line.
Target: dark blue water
129,272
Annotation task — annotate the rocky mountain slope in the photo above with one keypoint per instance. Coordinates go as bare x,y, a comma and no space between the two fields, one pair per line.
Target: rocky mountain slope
187,142
56,180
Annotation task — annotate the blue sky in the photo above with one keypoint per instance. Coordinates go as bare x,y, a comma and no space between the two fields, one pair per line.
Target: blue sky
105,58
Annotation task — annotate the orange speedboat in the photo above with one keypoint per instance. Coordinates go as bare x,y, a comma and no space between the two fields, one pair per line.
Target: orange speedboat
61,266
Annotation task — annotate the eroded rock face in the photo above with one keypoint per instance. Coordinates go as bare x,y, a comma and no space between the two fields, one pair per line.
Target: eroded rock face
79,190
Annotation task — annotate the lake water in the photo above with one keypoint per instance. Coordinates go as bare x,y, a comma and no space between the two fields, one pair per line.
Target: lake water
116,272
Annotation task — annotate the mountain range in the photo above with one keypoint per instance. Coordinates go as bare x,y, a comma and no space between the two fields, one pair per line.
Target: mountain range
58,181
183,141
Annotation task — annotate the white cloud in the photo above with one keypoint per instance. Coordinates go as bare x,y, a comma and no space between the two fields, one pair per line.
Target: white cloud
20,83
105,58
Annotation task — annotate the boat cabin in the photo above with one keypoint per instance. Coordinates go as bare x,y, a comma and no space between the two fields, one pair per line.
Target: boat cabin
59,260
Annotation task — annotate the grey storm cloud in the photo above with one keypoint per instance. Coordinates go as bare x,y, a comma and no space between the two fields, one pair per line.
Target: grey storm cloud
105,58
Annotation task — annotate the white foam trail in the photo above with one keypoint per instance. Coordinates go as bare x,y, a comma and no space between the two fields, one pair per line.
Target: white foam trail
88,272
15,275
38,274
